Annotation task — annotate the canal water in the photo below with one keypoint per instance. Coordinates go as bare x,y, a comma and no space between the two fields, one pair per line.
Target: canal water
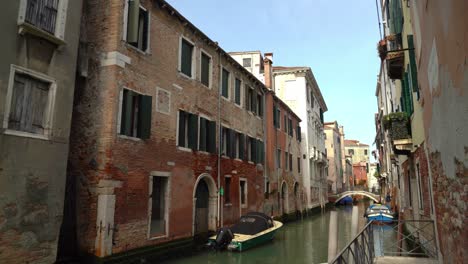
302,241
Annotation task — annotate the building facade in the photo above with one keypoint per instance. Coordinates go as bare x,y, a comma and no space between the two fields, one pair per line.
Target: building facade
335,165
168,138
421,128
37,75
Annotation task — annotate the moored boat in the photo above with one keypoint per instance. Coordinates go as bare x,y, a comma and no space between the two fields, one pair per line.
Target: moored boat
251,230
379,213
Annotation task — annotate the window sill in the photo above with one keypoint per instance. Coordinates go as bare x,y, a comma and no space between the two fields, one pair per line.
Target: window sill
184,76
25,134
158,237
228,204
26,28
250,162
131,47
184,149
206,86
129,138
244,206
225,157
237,159
225,98
238,105
203,152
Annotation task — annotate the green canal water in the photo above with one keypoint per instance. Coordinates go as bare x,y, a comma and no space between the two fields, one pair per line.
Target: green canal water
302,241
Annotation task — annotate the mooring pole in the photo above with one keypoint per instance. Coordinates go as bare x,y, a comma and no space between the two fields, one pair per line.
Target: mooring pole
332,236
354,228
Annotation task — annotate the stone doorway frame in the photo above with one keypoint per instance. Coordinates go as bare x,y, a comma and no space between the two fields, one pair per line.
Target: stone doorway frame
212,201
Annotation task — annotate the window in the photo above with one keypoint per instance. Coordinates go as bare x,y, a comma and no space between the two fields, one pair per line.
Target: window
207,140
237,91
285,127
205,69
259,105
299,165
240,146
290,127
225,83
42,14
137,26
158,201
247,62
351,151
227,190
290,162
186,57
286,163
260,152
311,98
252,149
365,152
224,141
135,114
278,158
30,108
251,100
298,133
243,192
188,130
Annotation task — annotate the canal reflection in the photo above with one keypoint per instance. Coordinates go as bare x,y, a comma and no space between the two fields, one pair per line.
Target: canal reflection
303,241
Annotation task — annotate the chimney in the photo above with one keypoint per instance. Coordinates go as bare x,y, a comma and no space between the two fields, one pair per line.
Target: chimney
268,69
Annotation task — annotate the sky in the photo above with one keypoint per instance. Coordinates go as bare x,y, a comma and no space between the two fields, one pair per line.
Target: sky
336,38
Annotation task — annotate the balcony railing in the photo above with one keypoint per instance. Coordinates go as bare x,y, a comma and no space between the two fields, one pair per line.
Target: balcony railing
398,125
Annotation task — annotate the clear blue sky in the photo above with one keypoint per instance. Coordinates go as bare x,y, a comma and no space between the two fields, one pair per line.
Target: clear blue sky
336,38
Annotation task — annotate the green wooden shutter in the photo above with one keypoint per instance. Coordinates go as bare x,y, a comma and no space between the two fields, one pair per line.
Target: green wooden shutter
133,20
413,66
237,91
275,120
144,116
254,102
241,146
182,128
203,134
253,149
211,137
186,60
193,131
225,83
205,70
127,110
260,152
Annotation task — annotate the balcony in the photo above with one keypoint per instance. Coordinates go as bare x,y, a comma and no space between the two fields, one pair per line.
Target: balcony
395,64
399,129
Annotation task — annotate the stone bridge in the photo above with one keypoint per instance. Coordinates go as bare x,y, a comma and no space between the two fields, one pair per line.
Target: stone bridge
342,195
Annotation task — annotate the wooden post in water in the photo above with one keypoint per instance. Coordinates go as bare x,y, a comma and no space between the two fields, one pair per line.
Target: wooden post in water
332,236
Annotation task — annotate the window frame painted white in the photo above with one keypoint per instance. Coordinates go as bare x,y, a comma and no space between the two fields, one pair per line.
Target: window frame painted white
228,98
194,52
49,111
60,22
119,114
187,149
199,131
125,29
167,202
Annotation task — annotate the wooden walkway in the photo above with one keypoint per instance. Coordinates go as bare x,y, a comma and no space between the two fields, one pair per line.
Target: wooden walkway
404,260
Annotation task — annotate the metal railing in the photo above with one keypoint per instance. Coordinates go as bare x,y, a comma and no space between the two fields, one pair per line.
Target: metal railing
406,238
409,238
360,249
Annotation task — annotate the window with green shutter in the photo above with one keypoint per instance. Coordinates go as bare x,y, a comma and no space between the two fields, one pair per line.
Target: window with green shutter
205,69
237,91
186,57
203,140
241,148
225,83
413,67
290,127
136,115
259,105
188,130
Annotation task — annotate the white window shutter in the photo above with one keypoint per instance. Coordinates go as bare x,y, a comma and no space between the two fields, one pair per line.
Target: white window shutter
22,11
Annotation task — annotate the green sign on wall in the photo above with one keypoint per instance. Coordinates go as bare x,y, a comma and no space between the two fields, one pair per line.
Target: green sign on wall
221,191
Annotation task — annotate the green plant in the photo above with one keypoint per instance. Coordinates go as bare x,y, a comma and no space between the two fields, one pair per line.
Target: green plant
396,116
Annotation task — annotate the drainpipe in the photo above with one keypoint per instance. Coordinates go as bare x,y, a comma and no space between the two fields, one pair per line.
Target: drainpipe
219,146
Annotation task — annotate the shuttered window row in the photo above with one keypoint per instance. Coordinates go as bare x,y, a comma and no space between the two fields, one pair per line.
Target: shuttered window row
239,146
136,115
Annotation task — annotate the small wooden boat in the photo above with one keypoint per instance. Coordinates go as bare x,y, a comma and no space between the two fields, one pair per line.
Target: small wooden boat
379,213
251,230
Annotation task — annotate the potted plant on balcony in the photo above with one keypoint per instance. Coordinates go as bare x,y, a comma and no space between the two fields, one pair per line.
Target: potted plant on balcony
382,49
398,125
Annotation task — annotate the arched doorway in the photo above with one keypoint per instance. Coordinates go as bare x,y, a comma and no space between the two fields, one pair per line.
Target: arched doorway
284,198
204,205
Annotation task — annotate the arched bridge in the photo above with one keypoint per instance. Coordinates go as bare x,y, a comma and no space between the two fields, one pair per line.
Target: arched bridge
372,196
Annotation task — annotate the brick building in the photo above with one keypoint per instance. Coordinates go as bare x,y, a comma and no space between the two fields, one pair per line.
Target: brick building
168,130
38,55
285,194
